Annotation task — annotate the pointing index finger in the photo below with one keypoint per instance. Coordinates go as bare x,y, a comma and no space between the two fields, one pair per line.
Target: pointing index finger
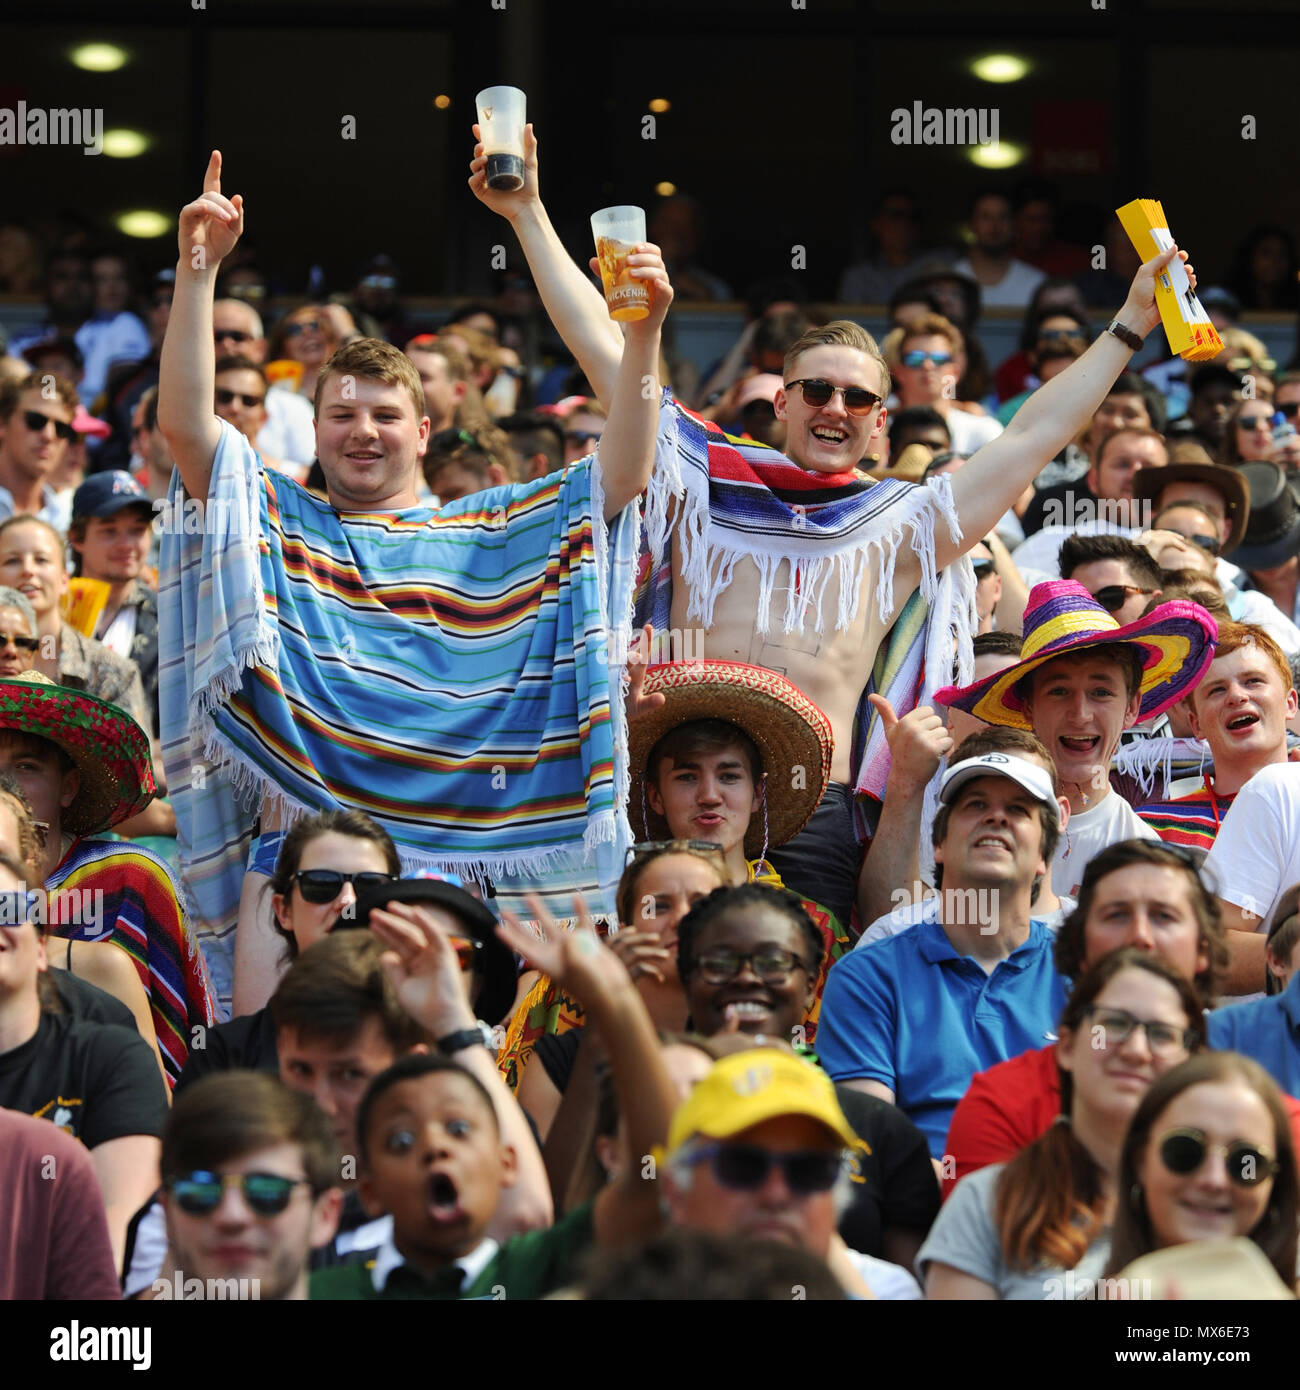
212,178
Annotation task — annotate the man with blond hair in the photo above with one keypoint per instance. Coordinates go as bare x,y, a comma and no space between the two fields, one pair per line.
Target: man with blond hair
368,652
796,561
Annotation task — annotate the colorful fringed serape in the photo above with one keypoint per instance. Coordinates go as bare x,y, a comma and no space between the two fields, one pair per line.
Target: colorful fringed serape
734,498
445,670
141,913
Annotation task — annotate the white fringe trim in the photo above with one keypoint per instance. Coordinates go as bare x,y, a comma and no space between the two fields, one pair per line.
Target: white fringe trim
1144,758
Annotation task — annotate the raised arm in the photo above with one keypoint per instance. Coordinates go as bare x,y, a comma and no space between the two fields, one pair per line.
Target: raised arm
209,228
426,976
627,444
575,306
999,472
628,1209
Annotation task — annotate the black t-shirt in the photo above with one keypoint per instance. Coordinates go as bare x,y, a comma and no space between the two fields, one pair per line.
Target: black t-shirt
88,1002
94,1080
895,1184
245,1043
558,1054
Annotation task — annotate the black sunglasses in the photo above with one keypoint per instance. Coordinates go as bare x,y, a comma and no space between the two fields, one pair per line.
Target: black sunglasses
745,1167
236,335
324,885
1289,409
1183,1151
818,393
1113,597
36,422
225,397
24,644
200,1193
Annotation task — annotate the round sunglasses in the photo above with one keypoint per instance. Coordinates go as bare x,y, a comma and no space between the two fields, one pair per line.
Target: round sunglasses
200,1193
324,885
1183,1151
745,1167
817,393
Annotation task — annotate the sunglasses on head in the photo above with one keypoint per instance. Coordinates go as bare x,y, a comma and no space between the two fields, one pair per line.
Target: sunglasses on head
645,847
36,422
817,393
917,358
1184,1151
225,397
1113,597
745,1167
236,335
200,1193
324,885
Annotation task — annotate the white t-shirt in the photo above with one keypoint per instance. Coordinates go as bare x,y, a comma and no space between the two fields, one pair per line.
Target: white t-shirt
289,432
1013,291
970,432
1255,857
1089,832
890,1283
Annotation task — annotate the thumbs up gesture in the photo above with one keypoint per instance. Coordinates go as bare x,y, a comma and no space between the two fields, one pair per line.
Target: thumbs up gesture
917,742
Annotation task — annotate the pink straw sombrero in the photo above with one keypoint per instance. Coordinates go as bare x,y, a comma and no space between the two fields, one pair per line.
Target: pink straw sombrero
109,748
1176,642
792,734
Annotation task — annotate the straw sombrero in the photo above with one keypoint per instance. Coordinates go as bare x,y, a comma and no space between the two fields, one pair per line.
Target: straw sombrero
108,747
1176,641
789,730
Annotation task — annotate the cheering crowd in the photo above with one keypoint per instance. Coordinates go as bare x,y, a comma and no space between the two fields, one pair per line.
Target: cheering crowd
822,827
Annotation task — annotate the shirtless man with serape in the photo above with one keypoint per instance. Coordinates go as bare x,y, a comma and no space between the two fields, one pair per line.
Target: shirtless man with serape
799,563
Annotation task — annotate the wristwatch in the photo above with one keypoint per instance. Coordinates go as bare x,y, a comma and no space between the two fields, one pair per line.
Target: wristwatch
478,1036
1125,335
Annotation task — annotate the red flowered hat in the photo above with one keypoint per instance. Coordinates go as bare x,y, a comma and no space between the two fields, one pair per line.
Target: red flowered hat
108,747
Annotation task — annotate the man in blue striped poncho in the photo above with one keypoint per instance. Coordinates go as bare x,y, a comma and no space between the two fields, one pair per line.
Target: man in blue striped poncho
447,670
800,563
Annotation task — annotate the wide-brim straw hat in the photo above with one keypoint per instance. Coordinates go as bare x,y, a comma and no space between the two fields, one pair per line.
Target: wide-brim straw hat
790,732
1175,640
110,750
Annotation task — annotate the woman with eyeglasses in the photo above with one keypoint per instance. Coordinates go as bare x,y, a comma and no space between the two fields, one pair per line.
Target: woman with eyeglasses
544,1053
748,959
1209,1155
1038,1226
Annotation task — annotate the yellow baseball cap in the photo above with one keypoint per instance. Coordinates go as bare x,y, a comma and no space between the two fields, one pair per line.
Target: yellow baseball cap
749,1087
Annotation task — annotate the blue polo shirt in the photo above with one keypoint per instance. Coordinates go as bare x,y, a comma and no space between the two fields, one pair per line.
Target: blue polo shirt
919,1018
1266,1029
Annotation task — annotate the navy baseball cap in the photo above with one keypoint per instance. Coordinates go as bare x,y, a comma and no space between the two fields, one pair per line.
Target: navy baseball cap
106,494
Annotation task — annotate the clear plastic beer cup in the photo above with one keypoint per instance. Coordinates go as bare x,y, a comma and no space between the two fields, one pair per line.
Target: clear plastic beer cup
501,119
617,231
